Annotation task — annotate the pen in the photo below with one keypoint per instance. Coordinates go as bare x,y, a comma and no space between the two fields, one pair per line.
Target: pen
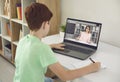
92,60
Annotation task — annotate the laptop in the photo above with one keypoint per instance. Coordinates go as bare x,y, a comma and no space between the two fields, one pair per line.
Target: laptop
81,38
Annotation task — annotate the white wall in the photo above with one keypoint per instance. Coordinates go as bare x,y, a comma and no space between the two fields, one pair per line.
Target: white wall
106,12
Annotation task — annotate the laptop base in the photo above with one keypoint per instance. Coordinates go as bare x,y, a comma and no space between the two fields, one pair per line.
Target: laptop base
74,54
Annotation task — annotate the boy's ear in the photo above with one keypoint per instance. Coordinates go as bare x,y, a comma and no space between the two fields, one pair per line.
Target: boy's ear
43,25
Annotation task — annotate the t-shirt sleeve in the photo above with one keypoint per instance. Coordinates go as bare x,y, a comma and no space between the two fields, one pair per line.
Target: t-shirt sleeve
47,57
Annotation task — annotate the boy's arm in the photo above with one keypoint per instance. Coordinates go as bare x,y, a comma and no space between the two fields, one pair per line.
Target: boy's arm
65,75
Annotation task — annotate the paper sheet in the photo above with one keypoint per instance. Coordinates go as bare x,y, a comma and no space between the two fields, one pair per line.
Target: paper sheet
85,63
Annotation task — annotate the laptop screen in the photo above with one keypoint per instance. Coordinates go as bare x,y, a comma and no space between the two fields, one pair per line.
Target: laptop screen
82,32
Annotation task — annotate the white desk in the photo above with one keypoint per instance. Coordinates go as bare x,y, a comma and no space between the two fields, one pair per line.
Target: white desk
107,54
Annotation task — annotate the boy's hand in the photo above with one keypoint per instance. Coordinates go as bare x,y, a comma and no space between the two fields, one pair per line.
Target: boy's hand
58,46
95,66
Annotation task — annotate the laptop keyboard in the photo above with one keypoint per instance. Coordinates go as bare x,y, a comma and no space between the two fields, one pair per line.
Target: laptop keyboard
69,47
65,50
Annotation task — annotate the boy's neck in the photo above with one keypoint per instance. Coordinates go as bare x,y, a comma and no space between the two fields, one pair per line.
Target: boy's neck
36,34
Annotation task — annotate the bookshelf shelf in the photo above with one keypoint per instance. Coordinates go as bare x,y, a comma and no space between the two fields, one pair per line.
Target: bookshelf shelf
13,29
17,20
7,37
15,43
4,16
25,24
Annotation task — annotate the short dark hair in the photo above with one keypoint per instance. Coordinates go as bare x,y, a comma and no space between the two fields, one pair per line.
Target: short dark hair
36,14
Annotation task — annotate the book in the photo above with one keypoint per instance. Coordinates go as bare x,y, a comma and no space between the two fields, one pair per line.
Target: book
21,34
8,28
19,11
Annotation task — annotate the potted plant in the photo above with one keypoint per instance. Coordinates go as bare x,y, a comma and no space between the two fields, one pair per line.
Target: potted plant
62,28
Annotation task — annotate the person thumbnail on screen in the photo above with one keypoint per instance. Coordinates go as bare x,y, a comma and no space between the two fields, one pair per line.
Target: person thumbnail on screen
85,36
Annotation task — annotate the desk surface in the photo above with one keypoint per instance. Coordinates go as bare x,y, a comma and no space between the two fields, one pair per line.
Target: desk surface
107,54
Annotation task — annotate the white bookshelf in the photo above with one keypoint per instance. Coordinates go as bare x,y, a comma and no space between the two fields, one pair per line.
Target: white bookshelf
15,26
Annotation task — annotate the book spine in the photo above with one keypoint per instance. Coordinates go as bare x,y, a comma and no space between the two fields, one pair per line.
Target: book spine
19,11
8,29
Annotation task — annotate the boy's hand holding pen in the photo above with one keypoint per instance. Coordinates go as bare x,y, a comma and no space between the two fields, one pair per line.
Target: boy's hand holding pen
95,65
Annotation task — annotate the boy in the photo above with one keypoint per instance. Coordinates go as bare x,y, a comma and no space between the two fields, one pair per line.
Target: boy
33,57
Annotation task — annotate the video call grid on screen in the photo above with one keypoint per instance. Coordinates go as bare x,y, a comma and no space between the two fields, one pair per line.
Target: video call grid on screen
75,29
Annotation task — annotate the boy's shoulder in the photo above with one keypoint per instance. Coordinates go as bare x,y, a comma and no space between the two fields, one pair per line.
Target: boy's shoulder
33,42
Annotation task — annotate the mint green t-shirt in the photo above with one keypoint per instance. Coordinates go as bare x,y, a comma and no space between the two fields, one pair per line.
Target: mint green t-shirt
32,59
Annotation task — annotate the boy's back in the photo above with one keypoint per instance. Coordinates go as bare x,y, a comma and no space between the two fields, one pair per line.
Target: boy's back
32,60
